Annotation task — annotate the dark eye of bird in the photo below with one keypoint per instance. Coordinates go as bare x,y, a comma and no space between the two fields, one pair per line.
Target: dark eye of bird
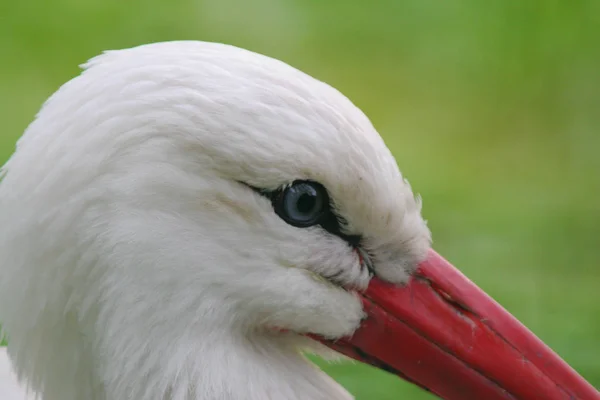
302,204
307,203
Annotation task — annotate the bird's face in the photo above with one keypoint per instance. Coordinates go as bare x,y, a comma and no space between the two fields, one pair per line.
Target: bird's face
255,194
193,187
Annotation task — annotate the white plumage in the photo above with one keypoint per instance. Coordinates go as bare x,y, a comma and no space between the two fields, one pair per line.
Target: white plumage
135,261
10,389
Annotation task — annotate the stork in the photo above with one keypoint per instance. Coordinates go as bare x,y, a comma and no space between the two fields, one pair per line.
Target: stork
184,219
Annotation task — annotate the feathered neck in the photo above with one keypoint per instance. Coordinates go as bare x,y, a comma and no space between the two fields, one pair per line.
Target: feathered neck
242,367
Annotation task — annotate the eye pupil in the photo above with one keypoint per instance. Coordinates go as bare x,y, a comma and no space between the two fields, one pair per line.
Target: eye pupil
306,203
303,204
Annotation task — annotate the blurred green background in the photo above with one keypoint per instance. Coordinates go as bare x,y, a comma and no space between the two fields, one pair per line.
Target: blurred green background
492,109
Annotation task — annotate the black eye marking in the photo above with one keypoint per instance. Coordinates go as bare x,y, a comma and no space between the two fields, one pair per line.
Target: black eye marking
307,203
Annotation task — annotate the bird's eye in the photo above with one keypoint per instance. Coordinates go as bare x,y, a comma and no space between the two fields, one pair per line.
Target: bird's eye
302,204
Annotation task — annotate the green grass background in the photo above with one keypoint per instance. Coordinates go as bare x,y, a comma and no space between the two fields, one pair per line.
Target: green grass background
492,109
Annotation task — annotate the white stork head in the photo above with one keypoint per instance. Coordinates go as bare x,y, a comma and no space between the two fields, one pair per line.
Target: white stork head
179,217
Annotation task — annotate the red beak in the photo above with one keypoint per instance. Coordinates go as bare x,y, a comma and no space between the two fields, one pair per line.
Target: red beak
446,335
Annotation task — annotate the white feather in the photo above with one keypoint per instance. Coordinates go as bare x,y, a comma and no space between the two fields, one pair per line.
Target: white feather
135,265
